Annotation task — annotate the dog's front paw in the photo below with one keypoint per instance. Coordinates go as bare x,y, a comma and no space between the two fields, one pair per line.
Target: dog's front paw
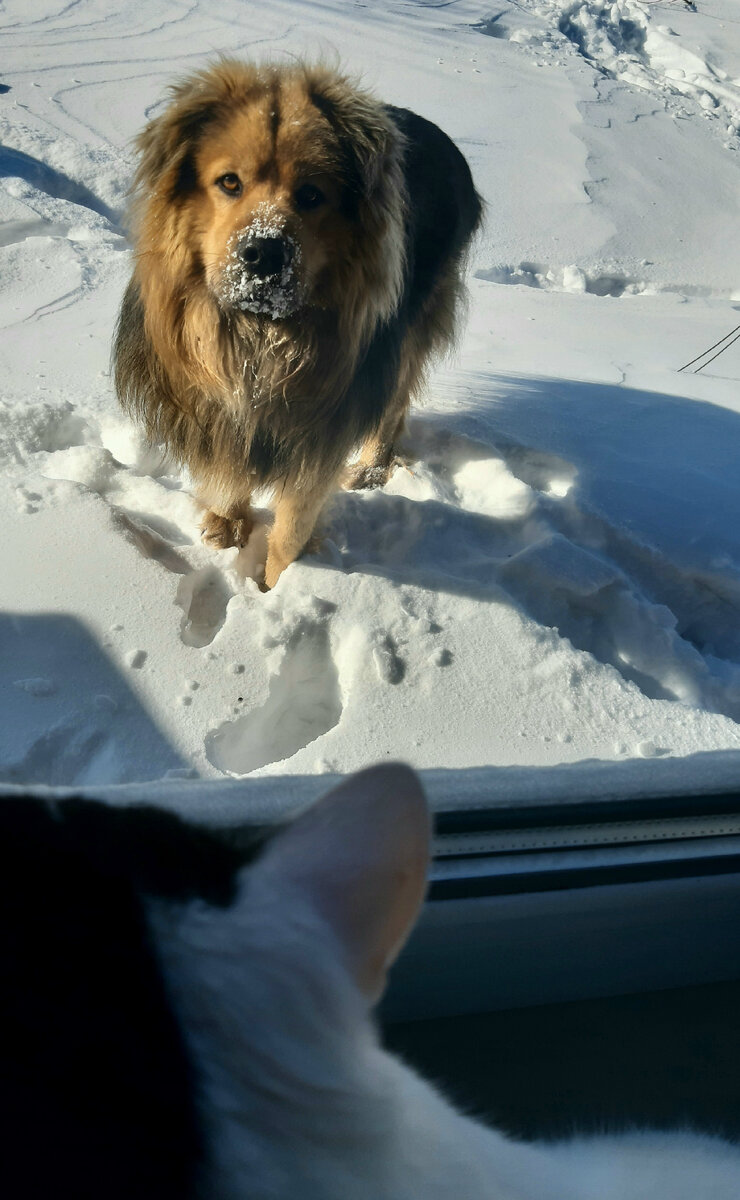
222,532
274,568
372,475
363,476
277,562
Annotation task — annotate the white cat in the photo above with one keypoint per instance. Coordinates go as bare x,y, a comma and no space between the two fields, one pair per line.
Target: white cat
299,1099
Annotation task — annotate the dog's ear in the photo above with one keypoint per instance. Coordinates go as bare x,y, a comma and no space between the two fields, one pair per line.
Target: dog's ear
370,140
167,143
359,857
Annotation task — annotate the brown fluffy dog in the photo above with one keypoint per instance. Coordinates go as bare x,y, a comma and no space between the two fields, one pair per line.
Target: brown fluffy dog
299,248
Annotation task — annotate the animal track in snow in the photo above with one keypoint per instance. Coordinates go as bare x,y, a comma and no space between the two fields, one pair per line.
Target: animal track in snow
565,279
148,506
491,516
151,544
390,666
303,703
28,501
612,284
496,480
657,625
203,597
628,41
544,472
40,428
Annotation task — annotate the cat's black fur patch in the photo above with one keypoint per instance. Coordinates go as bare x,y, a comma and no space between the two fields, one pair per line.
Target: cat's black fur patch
96,1088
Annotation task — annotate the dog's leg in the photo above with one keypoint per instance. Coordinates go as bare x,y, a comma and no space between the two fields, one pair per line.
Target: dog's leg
431,334
296,513
378,457
227,525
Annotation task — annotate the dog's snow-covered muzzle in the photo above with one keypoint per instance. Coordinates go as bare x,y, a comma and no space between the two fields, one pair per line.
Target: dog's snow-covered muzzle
262,270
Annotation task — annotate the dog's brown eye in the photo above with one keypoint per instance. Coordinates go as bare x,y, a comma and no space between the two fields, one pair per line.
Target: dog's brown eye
309,196
231,184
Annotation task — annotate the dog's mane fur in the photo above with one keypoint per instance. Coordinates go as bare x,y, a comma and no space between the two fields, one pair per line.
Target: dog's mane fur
223,387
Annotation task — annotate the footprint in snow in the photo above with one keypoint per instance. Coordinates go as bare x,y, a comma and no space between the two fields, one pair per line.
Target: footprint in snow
303,702
389,665
203,597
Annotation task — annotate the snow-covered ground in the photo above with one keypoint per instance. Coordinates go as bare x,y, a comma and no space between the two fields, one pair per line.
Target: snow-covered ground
557,576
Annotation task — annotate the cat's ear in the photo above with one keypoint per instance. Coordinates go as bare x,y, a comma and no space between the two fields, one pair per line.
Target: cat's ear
360,857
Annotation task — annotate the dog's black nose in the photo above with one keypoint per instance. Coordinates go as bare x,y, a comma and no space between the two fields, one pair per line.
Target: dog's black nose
265,256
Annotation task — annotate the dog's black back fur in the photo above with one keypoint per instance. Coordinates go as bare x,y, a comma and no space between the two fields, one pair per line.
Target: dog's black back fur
444,211
444,208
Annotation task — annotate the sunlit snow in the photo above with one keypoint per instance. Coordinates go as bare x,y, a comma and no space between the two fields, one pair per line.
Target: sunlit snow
553,579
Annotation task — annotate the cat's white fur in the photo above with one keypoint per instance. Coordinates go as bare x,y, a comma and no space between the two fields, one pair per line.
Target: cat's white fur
299,1098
